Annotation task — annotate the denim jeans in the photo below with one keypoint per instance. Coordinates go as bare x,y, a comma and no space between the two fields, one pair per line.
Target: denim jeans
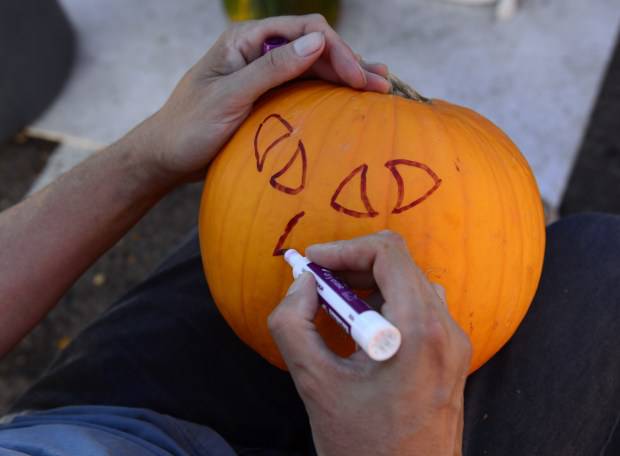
554,389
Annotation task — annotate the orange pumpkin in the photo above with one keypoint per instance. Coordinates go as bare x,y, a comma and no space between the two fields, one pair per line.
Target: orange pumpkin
315,162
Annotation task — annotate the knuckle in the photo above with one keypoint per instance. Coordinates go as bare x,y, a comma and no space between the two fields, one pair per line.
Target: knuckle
239,27
276,321
464,347
272,59
449,345
442,396
318,18
306,383
391,238
434,335
230,32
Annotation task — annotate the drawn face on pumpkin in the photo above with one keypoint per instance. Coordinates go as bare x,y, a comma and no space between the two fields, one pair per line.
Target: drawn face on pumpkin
280,130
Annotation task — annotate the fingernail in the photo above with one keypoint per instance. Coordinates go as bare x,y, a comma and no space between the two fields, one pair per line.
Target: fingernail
298,283
308,44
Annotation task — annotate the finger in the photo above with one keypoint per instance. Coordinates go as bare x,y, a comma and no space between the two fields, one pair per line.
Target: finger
278,66
386,255
441,292
380,69
253,34
359,280
441,302
375,300
377,83
292,327
322,69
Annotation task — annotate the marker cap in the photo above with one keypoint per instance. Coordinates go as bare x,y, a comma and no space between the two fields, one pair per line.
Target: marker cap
377,336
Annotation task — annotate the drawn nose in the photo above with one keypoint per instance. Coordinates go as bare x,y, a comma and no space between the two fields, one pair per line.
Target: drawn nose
280,248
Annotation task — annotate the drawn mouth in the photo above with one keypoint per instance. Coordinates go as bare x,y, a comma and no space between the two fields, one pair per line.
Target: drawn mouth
280,249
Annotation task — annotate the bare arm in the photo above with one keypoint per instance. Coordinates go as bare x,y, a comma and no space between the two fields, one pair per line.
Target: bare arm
51,238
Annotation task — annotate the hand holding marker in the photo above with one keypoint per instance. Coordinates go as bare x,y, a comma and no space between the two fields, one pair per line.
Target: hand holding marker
377,336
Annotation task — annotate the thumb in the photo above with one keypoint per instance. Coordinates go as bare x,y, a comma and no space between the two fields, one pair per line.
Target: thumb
292,327
280,65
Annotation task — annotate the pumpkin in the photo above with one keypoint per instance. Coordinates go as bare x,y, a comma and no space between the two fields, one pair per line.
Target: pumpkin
316,162
243,10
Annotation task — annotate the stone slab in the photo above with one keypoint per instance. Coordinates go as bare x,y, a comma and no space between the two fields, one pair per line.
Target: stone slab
536,75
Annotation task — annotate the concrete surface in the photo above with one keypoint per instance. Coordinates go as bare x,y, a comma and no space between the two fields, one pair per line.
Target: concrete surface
535,75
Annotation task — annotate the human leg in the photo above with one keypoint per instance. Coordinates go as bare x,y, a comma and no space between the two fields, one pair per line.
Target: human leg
165,347
555,387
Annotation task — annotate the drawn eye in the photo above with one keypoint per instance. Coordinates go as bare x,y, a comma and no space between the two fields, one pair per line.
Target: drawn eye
420,186
298,157
350,181
276,130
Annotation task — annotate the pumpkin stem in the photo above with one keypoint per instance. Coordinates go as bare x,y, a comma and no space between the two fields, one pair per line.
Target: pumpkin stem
404,90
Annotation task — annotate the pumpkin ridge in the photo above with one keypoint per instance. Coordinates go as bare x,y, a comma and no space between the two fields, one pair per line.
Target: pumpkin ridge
473,137
480,136
224,217
447,131
331,126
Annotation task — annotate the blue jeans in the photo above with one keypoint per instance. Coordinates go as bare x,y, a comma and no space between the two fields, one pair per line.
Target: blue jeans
554,389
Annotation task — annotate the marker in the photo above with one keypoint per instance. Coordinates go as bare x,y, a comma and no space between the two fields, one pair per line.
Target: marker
272,43
379,338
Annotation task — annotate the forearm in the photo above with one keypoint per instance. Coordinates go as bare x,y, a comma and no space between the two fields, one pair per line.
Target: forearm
48,240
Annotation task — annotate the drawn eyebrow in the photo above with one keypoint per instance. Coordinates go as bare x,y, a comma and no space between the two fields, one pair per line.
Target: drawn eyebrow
279,250
392,164
370,212
260,158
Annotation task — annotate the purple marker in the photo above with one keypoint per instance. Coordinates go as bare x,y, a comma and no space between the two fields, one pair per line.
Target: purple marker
378,337
272,43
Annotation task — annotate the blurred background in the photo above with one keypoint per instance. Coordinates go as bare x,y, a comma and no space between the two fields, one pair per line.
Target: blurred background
75,75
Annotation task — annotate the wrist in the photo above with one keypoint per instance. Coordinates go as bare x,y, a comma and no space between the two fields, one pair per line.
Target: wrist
134,157
140,153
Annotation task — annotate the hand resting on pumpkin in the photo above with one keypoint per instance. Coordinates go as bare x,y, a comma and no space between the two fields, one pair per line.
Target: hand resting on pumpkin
217,94
48,240
411,404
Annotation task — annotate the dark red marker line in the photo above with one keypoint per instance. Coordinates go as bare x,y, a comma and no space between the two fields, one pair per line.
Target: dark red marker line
304,164
392,164
260,159
279,250
370,212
